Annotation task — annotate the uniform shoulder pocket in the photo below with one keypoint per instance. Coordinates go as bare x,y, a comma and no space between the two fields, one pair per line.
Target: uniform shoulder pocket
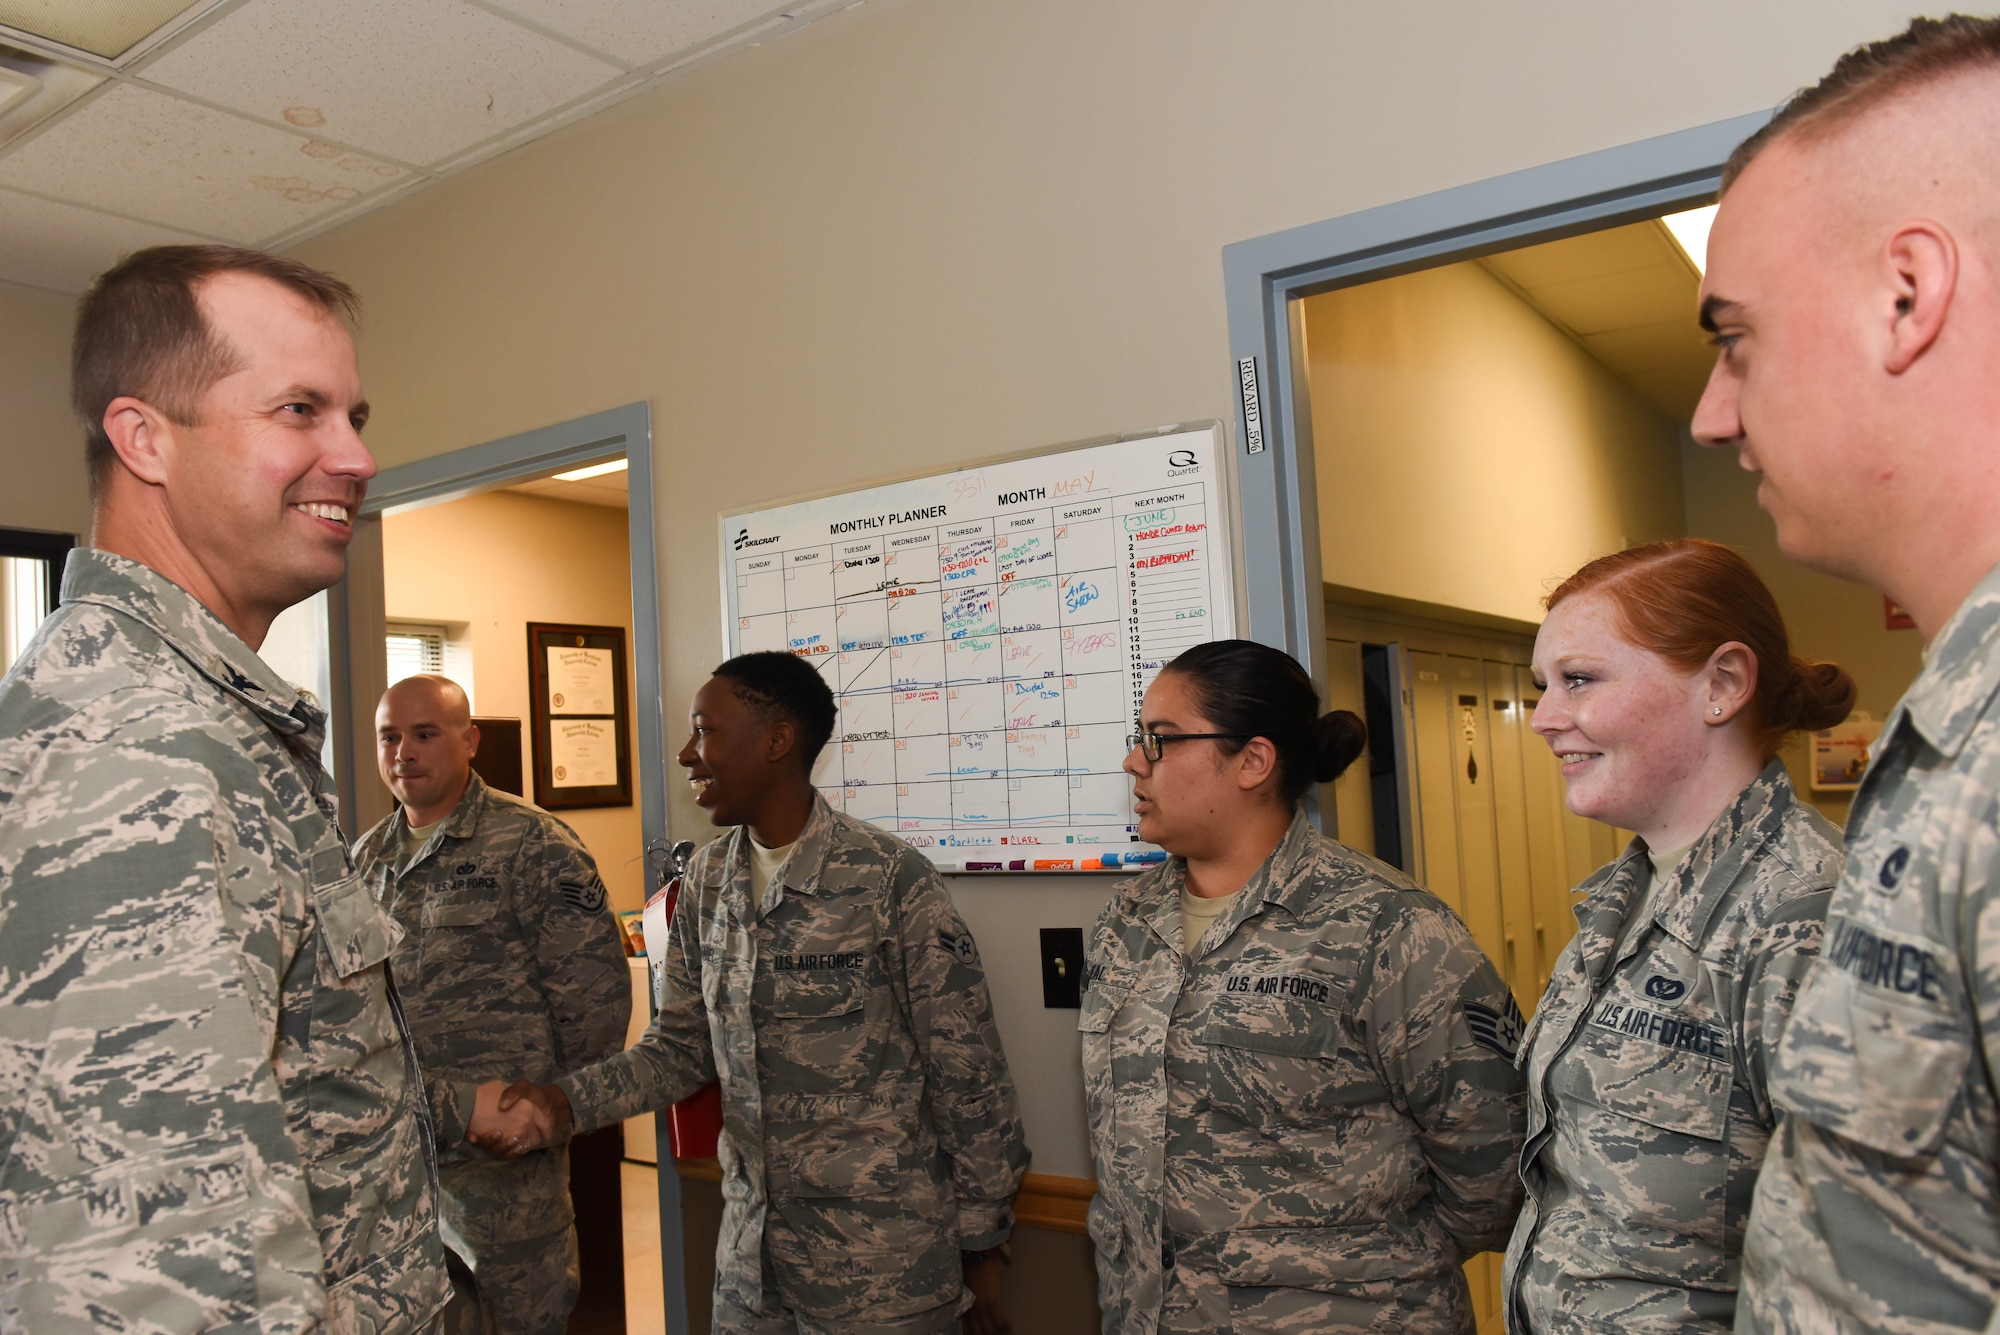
1877,1048
358,932
1105,992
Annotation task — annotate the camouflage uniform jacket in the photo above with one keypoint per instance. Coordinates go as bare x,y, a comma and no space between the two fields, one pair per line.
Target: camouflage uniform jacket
509,968
1320,1094
870,1128
208,1112
1648,1106
1879,1205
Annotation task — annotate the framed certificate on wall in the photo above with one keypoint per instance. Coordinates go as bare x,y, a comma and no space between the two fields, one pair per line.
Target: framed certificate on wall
582,717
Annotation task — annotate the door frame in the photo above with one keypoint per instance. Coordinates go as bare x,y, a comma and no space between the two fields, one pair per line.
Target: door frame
356,614
1266,278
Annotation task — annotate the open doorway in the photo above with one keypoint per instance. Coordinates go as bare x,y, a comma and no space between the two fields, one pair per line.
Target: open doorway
502,566
1451,404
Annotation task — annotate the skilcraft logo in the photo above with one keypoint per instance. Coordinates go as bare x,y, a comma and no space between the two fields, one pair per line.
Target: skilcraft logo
743,539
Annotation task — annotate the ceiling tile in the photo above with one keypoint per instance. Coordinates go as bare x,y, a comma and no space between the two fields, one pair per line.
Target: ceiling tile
1653,347
1621,301
641,32
608,491
1675,392
1593,255
136,151
419,82
61,246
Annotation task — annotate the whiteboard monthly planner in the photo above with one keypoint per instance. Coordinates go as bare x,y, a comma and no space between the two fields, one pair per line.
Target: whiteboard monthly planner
989,634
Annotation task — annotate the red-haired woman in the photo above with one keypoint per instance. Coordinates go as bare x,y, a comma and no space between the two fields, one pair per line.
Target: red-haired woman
1668,683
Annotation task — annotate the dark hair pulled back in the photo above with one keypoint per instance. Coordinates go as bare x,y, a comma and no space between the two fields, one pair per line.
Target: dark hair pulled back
1256,691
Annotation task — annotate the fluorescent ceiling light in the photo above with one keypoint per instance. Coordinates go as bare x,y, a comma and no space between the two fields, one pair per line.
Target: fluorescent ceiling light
1690,233
594,470
107,28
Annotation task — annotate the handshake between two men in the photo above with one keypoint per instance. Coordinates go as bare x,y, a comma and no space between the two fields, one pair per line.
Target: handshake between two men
509,1121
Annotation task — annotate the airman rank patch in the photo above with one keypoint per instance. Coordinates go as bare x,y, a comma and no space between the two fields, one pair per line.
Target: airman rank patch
1498,1030
583,896
961,945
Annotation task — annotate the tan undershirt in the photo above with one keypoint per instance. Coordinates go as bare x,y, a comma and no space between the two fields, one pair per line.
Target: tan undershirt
764,864
1665,863
1199,914
415,837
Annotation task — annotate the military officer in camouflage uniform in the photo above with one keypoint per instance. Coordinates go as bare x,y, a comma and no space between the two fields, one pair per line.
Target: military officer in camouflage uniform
1668,685
871,1143
510,964
1851,286
210,1117
1299,1069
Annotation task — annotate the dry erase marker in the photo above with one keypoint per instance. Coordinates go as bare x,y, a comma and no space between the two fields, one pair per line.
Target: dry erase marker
1055,864
986,866
1017,864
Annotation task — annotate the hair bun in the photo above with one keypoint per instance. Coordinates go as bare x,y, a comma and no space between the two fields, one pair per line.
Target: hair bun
1824,695
1339,738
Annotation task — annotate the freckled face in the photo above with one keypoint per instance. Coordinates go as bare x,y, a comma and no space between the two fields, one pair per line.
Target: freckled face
1626,724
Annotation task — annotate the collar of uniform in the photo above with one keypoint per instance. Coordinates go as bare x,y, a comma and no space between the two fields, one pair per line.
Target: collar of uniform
463,822
1703,879
1285,882
802,868
195,633
1604,899
1961,671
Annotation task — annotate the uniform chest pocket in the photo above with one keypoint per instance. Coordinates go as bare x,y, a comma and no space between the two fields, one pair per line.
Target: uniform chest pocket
1670,1070
1278,1026
819,996
458,913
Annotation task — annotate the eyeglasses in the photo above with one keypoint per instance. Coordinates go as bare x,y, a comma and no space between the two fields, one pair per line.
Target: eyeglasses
1153,744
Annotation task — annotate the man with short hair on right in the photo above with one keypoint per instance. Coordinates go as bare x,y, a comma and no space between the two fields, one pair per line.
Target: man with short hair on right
1853,287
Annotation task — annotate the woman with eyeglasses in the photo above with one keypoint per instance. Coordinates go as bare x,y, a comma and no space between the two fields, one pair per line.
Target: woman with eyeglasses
1299,1068
1668,684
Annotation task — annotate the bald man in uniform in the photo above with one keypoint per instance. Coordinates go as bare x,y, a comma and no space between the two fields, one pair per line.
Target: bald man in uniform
1853,286
510,962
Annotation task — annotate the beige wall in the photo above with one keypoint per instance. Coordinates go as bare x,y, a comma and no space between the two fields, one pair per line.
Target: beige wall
497,562
924,231
1468,453
1827,618
41,446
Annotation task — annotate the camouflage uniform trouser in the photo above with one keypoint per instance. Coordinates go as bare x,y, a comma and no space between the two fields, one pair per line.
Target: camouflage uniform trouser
528,1287
733,1318
1197,1302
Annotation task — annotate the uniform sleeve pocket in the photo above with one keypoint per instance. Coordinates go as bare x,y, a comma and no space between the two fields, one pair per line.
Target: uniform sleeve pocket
163,1217
1871,1067
1101,1001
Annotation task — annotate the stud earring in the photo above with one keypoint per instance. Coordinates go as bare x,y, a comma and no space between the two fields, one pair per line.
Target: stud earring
1718,709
